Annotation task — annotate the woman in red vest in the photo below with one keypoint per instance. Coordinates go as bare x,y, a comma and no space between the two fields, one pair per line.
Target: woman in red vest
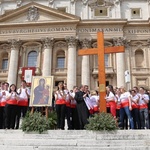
60,101
11,107
111,100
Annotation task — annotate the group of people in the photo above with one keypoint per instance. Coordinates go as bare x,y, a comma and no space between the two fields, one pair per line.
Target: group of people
77,105
132,105
130,108
13,103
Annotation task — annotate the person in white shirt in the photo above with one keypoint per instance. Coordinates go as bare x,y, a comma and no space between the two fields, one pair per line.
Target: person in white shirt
94,98
135,109
126,107
3,93
24,94
68,108
111,99
60,104
11,107
143,108
74,113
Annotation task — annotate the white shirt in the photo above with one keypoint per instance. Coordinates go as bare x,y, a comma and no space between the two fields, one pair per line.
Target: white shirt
3,99
145,97
124,96
59,95
73,101
110,96
94,100
12,96
23,94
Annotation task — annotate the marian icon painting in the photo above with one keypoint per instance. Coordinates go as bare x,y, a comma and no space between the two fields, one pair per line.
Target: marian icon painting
41,91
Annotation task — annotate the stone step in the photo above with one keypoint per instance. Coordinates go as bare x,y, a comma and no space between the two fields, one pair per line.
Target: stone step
75,140
72,134
89,143
72,148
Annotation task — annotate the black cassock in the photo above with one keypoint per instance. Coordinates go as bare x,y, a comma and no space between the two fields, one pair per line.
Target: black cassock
83,112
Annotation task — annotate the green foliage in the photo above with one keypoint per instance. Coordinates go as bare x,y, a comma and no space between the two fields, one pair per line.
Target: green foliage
37,122
52,120
101,122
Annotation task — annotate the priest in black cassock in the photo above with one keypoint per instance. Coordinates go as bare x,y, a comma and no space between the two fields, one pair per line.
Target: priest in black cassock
83,112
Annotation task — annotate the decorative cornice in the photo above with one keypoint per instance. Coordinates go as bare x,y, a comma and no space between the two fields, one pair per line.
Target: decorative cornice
72,41
60,44
5,47
97,3
106,44
47,42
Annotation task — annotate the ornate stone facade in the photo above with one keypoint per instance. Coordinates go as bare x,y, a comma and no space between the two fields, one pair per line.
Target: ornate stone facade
53,38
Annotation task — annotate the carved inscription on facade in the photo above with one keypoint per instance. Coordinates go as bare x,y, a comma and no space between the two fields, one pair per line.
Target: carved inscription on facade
73,29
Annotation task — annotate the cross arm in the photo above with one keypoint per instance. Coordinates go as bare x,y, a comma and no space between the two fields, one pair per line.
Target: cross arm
115,49
92,51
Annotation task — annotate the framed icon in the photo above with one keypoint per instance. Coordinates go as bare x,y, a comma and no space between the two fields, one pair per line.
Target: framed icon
41,91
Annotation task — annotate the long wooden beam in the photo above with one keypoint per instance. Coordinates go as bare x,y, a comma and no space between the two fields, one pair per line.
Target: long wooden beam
94,51
115,49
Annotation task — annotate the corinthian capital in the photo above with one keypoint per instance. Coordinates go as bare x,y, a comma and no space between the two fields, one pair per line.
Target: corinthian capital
15,44
72,41
47,42
85,43
118,41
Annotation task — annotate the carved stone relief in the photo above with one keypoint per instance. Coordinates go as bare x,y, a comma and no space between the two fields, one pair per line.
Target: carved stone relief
33,14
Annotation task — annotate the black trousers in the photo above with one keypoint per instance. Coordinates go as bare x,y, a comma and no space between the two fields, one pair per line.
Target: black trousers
11,111
60,110
136,118
83,114
68,116
75,119
2,117
20,110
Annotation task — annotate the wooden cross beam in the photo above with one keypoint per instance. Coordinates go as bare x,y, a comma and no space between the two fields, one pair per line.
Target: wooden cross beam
101,51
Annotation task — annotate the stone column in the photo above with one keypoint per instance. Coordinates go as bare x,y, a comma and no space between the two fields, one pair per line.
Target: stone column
120,61
13,62
85,72
48,44
71,67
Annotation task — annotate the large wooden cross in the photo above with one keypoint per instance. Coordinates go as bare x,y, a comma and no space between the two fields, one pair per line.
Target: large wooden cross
101,51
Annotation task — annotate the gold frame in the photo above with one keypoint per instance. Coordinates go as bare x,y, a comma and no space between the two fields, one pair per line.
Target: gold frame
41,95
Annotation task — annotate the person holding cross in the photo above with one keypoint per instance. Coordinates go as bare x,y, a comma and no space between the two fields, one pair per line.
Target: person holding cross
101,50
